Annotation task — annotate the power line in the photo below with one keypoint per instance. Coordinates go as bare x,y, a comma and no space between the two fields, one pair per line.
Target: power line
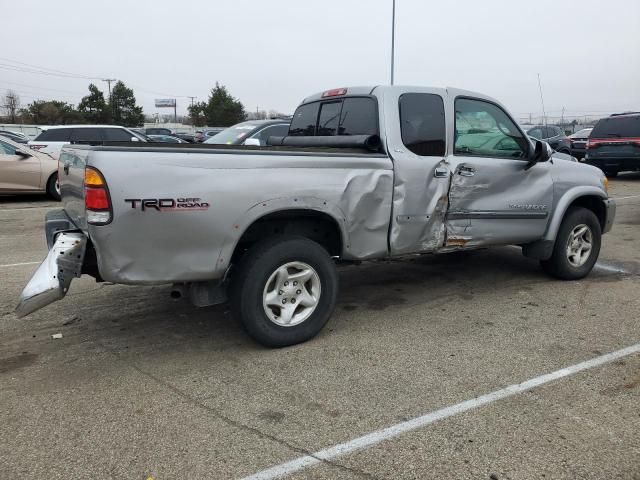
39,67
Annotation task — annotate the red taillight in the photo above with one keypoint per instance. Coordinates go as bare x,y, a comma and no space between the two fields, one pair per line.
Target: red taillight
336,92
591,144
96,197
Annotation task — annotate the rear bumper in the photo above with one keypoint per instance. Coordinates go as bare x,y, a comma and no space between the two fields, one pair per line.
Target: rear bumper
53,277
610,205
614,163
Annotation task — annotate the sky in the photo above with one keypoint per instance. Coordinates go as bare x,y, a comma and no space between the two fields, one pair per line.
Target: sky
271,54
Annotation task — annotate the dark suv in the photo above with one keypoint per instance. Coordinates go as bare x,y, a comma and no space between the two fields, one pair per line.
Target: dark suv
614,144
553,135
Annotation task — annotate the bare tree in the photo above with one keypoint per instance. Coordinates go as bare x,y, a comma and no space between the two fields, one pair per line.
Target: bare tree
11,104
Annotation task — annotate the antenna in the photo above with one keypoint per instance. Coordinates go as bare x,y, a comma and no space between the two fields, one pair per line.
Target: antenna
393,37
544,115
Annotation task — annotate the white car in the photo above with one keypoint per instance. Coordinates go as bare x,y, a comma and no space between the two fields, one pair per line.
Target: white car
52,139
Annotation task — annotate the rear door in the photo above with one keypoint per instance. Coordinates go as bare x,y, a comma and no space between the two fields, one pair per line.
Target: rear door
18,172
416,133
493,198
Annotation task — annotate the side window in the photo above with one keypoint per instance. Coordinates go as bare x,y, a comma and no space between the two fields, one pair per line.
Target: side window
485,130
304,120
359,117
422,123
273,131
86,135
329,117
116,135
55,135
6,149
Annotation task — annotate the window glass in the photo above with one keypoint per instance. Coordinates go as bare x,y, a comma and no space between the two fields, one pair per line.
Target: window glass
359,117
55,135
304,120
116,135
483,129
86,135
422,123
535,133
617,127
6,149
233,135
329,117
273,131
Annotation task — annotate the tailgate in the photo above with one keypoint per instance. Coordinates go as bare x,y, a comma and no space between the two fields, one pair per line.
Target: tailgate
71,177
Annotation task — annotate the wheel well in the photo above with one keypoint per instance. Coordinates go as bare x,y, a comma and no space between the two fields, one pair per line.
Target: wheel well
593,203
316,226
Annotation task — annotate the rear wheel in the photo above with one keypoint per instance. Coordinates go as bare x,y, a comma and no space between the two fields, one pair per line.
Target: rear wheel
577,245
53,187
284,290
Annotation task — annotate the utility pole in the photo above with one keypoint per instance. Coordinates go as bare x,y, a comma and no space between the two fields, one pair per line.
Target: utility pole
193,120
393,37
109,80
544,115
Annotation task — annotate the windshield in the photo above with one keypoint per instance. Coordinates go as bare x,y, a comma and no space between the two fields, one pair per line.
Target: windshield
233,135
584,133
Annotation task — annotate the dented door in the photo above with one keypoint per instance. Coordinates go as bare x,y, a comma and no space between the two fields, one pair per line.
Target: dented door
416,131
494,198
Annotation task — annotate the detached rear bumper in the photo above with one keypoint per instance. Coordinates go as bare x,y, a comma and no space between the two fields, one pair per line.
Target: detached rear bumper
53,277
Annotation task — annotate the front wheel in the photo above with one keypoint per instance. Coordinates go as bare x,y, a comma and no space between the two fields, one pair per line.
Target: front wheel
53,187
284,290
577,245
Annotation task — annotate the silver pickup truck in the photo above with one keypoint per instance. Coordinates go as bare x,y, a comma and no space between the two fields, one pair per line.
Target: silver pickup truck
364,173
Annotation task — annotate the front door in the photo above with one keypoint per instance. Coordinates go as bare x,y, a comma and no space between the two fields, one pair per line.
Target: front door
494,199
18,172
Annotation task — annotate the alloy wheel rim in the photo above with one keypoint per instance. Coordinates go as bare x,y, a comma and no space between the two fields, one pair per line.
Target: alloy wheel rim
579,245
291,294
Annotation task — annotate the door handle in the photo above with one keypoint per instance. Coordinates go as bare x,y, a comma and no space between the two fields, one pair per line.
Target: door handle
441,172
466,171
66,168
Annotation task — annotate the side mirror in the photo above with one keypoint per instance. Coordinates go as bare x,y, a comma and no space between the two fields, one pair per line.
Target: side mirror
23,154
541,153
135,139
252,141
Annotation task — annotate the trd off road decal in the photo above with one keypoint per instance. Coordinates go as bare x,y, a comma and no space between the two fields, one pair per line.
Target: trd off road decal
167,204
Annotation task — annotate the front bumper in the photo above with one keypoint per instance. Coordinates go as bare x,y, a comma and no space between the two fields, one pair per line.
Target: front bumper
610,214
53,277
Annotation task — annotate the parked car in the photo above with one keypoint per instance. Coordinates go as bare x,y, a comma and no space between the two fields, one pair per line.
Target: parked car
157,131
579,142
253,132
23,170
15,136
614,144
53,139
267,225
166,139
553,135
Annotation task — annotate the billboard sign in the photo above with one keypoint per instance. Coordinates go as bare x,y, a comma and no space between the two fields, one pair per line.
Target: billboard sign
165,102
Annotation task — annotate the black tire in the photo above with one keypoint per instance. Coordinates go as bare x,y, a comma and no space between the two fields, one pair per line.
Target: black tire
52,189
611,173
250,279
559,265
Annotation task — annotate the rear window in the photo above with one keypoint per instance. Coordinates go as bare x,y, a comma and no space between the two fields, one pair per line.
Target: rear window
617,127
349,116
422,123
55,135
86,135
116,135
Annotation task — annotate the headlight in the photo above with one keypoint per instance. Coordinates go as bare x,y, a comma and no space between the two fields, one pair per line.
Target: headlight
605,184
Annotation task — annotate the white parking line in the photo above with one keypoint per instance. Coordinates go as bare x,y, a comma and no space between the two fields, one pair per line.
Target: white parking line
18,264
376,437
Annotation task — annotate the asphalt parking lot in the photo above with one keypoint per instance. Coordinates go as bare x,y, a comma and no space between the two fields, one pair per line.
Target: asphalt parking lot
144,386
